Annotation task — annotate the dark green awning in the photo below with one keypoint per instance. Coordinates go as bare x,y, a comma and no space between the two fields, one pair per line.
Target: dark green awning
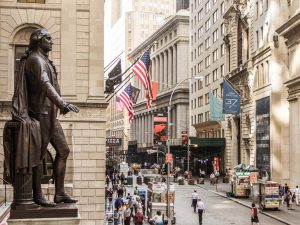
207,142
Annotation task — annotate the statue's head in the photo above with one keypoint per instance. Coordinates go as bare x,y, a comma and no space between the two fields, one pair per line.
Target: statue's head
37,36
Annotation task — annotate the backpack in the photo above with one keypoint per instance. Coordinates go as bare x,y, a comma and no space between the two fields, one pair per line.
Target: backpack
118,203
139,217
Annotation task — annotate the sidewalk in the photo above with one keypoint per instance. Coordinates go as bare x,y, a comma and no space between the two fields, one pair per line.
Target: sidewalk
291,217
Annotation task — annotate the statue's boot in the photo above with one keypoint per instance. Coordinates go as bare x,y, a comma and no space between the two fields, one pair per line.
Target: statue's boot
38,196
59,175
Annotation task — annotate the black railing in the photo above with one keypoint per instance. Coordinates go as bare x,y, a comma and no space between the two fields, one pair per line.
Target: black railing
5,182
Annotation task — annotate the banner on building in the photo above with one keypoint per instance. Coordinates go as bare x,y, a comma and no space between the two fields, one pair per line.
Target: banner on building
160,129
216,108
112,141
263,156
231,99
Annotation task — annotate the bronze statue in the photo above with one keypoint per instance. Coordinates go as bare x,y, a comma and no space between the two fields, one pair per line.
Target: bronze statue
37,98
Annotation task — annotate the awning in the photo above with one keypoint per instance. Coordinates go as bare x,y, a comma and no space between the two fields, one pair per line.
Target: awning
207,142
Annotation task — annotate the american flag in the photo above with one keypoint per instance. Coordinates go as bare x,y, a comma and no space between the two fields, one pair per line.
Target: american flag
142,70
125,97
119,104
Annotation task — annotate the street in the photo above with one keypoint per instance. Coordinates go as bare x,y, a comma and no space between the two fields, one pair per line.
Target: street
219,210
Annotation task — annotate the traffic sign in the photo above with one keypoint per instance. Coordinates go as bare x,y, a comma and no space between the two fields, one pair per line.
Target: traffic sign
169,158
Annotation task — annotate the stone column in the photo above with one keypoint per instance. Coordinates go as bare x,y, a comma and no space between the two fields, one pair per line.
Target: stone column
151,128
96,51
165,80
174,64
68,57
170,67
161,73
182,69
139,129
157,68
153,70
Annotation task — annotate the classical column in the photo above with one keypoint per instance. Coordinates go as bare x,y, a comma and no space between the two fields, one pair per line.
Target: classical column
68,58
151,128
96,36
170,67
165,80
139,134
157,68
153,69
182,69
161,73
174,64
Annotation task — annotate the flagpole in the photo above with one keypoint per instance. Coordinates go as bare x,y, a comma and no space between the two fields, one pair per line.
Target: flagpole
112,62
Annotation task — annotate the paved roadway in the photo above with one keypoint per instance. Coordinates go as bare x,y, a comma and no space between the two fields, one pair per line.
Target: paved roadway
219,210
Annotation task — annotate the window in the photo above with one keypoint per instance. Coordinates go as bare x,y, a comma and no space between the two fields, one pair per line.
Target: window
222,29
206,99
32,1
201,14
257,9
192,120
195,102
207,24
195,86
200,86
267,5
192,55
261,36
201,101
215,35
200,49
207,81
215,55
257,40
207,61
200,67
200,32
222,8
207,116
215,75
222,49
192,88
261,7
192,104
215,16
207,6
215,92
201,118
222,68
207,43
192,23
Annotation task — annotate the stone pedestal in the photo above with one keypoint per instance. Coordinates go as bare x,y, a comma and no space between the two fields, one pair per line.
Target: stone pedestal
64,210
45,221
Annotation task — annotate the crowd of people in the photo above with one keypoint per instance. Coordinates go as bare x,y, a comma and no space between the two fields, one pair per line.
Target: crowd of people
289,196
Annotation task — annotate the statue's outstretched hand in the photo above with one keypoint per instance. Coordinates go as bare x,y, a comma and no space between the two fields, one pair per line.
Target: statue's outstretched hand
70,107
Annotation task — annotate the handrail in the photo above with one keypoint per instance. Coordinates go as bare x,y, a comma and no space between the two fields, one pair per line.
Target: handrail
5,183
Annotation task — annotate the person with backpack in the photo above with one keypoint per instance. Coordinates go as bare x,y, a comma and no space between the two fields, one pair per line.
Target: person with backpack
254,215
119,202
139,218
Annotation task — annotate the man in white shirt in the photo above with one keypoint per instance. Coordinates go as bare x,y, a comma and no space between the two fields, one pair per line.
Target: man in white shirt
297,194
194,199
200,210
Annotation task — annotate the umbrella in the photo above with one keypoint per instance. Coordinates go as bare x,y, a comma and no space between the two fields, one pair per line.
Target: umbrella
240,166
251,168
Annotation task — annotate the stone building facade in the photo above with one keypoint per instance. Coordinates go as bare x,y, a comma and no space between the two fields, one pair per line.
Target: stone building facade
77,30
257,64
207,54
169,55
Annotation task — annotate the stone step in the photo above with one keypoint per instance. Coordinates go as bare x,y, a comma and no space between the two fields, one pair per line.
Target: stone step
4,212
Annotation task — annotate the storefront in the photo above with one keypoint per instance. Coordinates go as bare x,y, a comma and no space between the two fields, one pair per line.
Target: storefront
207,154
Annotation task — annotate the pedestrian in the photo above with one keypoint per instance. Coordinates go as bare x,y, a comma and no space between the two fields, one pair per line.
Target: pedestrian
113,178
107,180
194,200
117,217
157,219
254,215
139,218
297,194
122,177
200,210
212,178
136,191
110,195
127,214
281,194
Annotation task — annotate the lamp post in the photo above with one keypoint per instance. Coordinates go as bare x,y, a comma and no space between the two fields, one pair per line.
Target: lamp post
169,137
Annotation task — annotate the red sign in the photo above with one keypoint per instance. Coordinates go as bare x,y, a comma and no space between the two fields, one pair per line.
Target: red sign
169,158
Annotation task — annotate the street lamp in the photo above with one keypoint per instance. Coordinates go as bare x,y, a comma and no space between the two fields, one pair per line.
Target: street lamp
169,135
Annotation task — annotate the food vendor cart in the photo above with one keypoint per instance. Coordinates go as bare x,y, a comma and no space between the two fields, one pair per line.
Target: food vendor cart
240,184
157,200
268,194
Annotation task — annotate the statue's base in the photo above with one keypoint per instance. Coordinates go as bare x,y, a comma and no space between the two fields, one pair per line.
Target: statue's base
63,210
45,221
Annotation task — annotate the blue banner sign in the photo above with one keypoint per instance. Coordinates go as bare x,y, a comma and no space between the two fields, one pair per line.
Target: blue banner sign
231,99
